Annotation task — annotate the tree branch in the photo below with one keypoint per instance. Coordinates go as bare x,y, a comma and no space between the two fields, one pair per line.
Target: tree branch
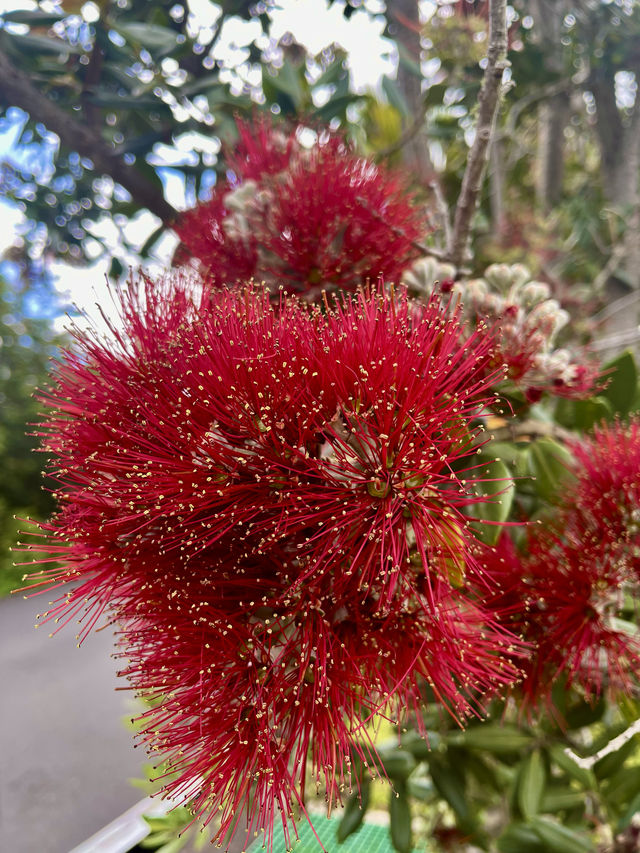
488,102
19,91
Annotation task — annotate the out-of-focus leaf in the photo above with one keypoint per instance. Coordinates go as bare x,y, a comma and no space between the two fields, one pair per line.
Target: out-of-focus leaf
394,96
583,414
395,764
355,810
559,798
622,375
531,782
566,763
151,36
34,18
41,44
495,738
400,818
450,783
560,839
498,489
418,746
623,786
549,463
520,838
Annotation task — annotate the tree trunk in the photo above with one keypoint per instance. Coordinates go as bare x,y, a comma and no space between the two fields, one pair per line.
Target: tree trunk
553,114
552,120
404,18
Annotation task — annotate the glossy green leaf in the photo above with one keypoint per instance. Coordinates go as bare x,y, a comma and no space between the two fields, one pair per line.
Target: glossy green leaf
622,378
355,810
497,488
549,465
531,782
560,839
400,819
583,414
495,738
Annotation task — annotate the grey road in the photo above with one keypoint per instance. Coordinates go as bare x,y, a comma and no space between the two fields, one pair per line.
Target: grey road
65,754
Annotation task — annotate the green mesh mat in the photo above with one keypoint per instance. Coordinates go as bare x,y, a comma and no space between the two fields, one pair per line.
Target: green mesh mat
368,839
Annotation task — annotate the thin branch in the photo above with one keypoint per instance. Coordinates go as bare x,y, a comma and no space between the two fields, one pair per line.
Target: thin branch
613,746
488,103
19,91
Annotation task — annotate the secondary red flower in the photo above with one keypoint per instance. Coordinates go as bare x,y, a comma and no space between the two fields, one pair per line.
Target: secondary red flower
570,592
270,502
305,219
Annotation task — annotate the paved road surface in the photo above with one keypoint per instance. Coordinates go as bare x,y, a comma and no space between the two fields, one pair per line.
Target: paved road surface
65,755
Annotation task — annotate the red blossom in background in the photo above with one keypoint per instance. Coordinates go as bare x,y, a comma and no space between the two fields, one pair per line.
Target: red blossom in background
304,219
569,591
270,502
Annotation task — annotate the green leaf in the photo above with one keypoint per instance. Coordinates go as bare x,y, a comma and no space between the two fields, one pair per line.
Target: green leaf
622,375
560,839
395,764
559,798
42,44
151,36
394,96
400,819
450,783
531,782
32,18
354,811
289,82
496,739
582,775
583,414
623,786
549,463
418,746
519,838
497,488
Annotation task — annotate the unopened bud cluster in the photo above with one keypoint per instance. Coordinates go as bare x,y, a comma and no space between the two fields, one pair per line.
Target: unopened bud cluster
528,321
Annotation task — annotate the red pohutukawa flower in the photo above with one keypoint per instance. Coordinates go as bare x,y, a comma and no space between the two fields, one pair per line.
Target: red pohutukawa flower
270,502
570,592
305,219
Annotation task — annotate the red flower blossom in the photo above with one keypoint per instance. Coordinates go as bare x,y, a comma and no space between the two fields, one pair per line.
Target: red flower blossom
270,502
569,592
306,219
607,490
